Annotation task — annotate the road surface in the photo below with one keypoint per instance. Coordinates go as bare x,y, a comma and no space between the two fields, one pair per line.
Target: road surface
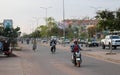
43,62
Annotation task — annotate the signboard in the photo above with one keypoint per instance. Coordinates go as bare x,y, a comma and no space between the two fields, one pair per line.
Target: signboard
8,23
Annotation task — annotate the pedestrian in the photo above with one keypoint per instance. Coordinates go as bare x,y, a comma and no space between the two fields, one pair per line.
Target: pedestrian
34,44
28,41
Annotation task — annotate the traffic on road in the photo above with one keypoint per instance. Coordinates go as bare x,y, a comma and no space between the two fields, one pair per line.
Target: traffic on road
42,61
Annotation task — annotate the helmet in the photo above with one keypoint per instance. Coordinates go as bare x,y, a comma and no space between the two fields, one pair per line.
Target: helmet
75,42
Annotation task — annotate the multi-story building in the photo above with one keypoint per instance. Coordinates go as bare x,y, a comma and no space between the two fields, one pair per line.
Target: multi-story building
84,24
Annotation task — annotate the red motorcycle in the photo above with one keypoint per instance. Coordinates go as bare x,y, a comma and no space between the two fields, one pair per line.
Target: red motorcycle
6,52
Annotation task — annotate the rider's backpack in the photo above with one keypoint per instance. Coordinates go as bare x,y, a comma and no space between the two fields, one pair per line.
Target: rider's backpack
76,48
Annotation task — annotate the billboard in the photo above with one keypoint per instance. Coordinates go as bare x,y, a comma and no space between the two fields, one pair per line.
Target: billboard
8,23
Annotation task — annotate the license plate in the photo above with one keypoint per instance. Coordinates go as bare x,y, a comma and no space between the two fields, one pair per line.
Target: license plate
78,59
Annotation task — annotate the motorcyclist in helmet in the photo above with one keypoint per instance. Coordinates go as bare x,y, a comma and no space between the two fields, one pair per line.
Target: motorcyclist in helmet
53,45
76,48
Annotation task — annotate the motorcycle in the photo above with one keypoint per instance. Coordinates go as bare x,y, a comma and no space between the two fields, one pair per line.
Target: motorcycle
6,52
76,59
53,49
53,46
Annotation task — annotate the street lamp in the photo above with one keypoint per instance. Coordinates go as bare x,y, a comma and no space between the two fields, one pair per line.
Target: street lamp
37,20
63,21
46,9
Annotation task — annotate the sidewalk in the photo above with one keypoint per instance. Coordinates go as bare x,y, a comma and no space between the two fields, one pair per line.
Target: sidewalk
114,57
99,54
11,65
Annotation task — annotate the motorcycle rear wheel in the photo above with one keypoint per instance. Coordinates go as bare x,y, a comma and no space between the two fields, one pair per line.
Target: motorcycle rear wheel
78,64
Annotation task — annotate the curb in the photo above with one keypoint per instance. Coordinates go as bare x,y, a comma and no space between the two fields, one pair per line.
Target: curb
17,48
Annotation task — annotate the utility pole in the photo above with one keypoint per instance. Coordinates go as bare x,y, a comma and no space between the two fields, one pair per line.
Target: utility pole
37,20
46,9
63,23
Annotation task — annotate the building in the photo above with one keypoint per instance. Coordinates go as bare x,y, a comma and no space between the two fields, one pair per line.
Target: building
84,24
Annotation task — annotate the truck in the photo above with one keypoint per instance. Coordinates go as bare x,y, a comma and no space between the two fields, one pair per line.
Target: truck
110,40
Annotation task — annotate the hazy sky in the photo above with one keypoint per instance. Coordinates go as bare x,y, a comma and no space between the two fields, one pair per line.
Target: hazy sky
25,13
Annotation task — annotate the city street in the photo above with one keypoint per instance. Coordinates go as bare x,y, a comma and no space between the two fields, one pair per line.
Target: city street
60,37
43,62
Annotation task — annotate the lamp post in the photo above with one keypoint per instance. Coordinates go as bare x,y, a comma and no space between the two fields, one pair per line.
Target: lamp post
46,9
63,21
37,20
95,8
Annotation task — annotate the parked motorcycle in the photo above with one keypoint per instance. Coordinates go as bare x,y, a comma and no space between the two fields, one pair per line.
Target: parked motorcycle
6,52
76,59
5,46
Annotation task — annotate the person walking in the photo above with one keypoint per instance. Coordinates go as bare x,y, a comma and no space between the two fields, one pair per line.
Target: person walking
34,44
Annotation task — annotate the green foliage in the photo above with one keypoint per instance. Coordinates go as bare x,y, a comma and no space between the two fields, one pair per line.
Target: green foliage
43,31
84,35
1,30
109,20
11,32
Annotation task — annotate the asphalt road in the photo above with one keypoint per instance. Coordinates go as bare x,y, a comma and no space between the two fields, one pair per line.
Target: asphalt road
43,62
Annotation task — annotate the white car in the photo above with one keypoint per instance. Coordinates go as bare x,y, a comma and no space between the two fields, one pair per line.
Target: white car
113,40
67,41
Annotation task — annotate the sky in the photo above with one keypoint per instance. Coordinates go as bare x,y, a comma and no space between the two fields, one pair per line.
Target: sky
26,14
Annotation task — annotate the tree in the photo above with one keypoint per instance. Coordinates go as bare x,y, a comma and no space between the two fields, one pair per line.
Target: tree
51,26
1,30
12,34
54,31
35,34
109,20
91,31
117,21
43,31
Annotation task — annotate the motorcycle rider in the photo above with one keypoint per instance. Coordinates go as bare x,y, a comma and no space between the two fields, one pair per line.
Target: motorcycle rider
75,48
1,45
53,45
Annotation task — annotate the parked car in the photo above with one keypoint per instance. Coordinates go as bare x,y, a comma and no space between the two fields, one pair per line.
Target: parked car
67,41
92,43
44,40
109,40
81,41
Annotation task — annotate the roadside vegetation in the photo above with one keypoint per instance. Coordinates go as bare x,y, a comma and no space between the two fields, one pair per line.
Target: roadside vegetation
108,21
